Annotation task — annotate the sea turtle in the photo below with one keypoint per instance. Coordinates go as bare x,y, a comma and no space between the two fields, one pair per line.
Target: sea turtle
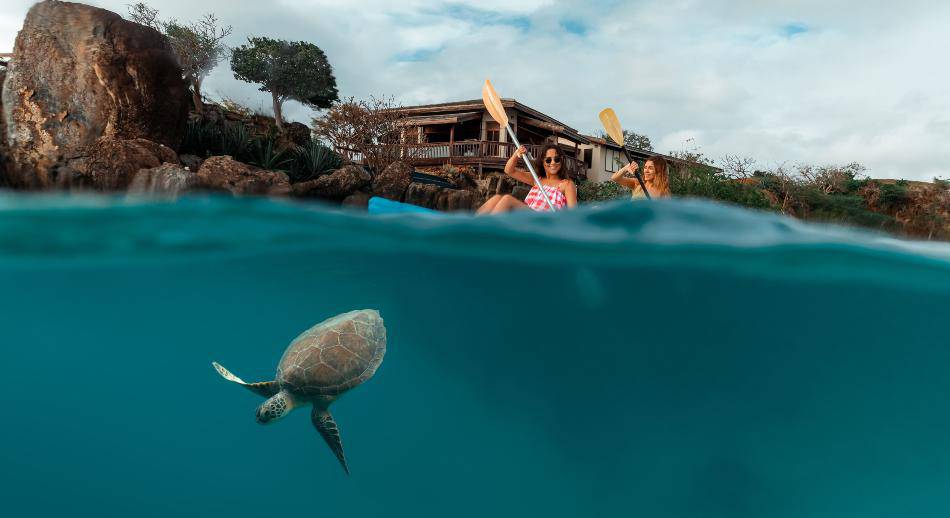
318,366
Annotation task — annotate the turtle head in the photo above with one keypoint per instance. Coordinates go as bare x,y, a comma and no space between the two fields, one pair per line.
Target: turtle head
274,408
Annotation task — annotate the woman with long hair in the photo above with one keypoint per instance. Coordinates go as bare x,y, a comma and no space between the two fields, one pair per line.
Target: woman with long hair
655,175
560,189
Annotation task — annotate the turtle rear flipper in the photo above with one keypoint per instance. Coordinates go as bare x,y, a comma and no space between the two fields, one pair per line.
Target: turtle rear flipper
327,427
264,388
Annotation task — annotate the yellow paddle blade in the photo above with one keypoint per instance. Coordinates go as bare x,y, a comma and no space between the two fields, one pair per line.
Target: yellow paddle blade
493,104
612,125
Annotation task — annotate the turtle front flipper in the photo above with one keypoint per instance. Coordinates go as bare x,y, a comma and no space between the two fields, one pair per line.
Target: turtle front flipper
264,388
327,427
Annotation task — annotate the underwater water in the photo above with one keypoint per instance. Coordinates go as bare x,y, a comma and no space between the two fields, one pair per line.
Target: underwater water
668,359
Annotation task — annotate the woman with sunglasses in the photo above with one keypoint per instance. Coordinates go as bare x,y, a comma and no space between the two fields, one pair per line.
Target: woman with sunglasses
560,190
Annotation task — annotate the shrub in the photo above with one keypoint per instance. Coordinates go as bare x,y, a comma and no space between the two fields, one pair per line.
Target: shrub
201,139
312,160
235,140
264,153
588,191
706,182
367,131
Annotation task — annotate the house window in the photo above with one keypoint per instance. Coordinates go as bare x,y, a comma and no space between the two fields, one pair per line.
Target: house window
588,157
611,158
492,131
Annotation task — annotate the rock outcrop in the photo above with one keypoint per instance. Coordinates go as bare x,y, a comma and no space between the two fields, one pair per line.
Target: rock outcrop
223,173
79,75
110,165
440,198
165,180
334,186
357,200
3,133
393,181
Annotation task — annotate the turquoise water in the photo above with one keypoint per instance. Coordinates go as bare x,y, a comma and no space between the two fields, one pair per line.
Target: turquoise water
666,359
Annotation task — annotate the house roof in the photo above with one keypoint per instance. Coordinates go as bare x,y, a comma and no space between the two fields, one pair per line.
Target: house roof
642,154
451,118
535,118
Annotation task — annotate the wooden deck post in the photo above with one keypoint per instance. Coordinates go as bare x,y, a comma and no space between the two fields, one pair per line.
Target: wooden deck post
451,142
576,148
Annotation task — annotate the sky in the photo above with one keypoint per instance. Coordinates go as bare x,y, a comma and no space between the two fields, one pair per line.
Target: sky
784,82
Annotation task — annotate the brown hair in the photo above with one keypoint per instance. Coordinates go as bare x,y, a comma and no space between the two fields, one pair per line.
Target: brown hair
661,182
539,160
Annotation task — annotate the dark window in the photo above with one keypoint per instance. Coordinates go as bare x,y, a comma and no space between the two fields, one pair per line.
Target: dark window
492,131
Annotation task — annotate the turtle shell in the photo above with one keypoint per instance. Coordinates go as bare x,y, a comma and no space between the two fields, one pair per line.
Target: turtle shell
334,355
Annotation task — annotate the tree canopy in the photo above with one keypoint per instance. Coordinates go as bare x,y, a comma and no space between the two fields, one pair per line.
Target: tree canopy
288,70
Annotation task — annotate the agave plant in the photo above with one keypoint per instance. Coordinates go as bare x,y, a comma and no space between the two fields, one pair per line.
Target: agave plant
235,140
266,155
201,139
311,160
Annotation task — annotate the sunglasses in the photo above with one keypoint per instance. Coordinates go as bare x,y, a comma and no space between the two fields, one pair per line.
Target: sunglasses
552,160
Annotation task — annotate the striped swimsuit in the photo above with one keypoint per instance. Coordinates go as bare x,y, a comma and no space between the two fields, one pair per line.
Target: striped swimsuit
535,201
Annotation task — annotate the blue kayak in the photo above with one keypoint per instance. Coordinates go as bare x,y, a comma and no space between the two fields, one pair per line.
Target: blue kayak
379,205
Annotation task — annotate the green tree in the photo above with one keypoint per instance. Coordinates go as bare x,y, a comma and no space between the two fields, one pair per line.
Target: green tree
288,70
199,46
634,140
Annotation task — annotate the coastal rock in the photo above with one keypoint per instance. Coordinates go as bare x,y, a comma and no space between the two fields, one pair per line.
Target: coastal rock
498,183
223,173
440,198
336,185
110,165
81,74
3,133
191,162
165,180
357,200
393,181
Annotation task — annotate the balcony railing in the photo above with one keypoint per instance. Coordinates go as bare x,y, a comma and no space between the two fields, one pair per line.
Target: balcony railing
468,152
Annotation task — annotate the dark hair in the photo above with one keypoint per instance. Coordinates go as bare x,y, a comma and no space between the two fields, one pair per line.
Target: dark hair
539,160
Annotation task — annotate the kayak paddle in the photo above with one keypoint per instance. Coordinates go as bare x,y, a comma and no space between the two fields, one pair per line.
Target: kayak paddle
612,125
497,112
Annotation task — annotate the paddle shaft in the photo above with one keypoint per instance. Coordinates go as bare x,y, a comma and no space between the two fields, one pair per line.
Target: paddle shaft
637,174
527,161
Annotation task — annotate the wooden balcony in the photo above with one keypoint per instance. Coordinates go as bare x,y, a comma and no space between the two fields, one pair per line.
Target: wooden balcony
489,154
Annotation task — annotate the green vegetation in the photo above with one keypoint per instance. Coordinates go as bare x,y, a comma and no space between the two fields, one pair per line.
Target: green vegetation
301,163
631,139
288,70
313,160
706,182
835,194
605,191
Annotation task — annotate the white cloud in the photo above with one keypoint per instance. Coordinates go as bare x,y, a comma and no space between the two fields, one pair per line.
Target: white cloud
861,83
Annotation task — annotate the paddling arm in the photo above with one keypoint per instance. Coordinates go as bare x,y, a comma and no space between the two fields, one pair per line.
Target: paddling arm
619,177
513,171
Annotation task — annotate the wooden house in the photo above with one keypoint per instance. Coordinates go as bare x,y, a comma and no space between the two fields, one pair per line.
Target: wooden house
463,133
